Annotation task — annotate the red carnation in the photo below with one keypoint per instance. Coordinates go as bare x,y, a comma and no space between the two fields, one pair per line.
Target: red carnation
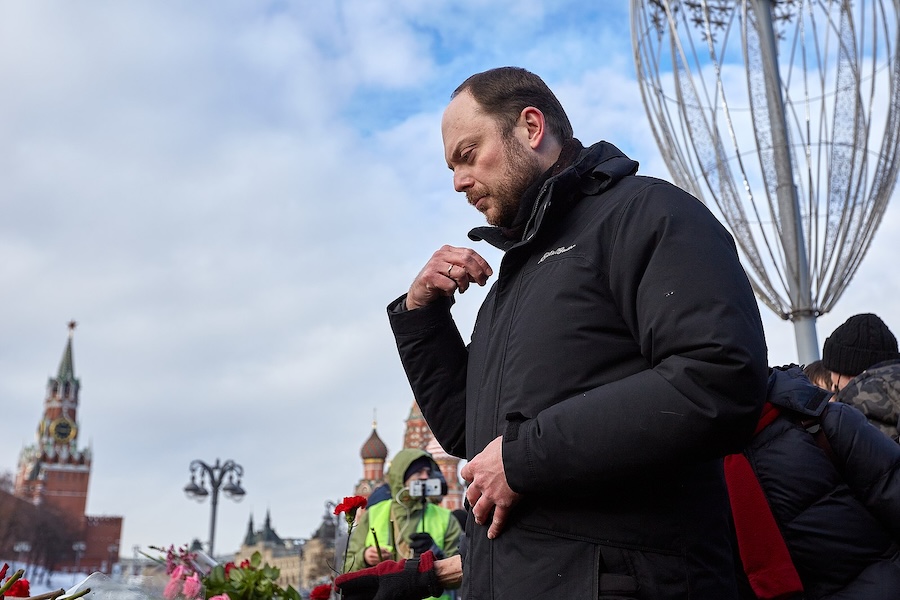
19,589
349,507
228,567
323,592
245,564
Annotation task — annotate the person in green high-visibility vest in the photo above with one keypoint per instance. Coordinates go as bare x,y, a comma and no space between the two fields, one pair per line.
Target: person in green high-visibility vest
411,522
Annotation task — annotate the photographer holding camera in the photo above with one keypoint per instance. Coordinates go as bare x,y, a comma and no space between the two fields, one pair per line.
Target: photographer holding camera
409,524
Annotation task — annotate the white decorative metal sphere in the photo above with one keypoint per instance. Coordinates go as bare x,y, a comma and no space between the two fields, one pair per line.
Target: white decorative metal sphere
785,115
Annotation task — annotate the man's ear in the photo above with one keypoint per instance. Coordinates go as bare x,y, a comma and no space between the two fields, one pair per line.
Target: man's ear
532,119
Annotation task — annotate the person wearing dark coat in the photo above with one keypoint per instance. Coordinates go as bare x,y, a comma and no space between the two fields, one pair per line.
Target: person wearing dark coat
832,483
815,500
618,356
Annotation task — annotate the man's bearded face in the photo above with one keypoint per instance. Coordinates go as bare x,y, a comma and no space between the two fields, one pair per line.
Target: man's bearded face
519,171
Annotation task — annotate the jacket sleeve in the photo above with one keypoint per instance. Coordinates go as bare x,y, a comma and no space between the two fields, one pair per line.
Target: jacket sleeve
868,460
434,357
674,273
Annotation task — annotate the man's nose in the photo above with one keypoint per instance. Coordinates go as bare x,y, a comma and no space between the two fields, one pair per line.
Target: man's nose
462,180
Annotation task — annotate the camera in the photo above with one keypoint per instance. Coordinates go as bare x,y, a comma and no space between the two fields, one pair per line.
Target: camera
419,488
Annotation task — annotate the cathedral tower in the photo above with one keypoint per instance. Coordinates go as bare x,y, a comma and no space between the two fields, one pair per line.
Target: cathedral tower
374,454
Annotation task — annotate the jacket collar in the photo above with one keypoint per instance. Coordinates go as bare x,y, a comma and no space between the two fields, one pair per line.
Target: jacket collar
577,173
789,388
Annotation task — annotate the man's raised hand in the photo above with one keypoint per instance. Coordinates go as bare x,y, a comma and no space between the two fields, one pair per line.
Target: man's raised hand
449,269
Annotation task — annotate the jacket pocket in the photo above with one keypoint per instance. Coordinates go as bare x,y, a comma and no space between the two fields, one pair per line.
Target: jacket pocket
617,587
641,574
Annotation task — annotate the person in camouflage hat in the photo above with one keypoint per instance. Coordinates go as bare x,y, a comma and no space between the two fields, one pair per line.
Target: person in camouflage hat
876,393
864,361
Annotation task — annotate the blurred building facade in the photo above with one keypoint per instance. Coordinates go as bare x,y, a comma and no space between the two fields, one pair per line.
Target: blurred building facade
283,554
303,563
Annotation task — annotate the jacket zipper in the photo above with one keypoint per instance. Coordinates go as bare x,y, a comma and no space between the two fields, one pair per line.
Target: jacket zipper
539,206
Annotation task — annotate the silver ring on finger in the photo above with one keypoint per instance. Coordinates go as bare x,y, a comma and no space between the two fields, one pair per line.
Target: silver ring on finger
450,268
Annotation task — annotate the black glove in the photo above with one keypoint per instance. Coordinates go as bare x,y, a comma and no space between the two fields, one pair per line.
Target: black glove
420,543
411,579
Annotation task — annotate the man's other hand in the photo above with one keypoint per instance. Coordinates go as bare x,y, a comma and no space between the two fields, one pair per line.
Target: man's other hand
488,490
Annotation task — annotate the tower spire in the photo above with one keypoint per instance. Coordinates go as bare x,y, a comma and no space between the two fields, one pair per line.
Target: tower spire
67,364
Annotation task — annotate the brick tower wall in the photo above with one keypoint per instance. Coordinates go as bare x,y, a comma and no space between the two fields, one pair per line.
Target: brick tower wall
65,489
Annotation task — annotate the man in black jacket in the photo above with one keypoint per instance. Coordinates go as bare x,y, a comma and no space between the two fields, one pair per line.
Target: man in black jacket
616,359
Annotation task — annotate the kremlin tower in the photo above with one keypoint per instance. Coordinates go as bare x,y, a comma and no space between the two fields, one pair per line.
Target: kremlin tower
53,473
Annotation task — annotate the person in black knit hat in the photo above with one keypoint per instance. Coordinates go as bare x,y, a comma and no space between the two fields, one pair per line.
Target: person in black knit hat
864,361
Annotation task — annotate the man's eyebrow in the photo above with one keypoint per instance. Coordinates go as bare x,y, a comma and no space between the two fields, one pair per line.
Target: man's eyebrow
456,155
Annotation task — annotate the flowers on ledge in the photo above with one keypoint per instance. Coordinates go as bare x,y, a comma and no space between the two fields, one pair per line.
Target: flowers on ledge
181,581
194,576
16,586
321,592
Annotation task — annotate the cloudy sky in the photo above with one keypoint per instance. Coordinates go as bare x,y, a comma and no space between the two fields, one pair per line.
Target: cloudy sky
226,195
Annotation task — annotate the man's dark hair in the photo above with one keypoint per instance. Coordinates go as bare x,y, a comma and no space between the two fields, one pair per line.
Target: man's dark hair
818,373
504,92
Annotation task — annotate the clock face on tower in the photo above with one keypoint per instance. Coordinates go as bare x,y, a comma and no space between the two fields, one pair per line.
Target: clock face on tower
62,429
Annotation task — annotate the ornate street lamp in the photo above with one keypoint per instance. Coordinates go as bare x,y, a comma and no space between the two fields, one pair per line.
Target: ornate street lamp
214,476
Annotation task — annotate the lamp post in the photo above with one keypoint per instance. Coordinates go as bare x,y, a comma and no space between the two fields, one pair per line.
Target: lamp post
338,534
113,550
135,564
214,476
79,548
22,548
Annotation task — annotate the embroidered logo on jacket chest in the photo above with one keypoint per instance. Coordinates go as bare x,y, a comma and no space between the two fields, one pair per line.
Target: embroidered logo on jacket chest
559,250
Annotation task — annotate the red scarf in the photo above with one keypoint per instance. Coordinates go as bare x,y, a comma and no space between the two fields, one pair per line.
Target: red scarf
765,556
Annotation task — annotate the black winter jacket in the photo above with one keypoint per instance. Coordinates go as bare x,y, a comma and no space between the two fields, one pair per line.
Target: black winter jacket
620,353
840,516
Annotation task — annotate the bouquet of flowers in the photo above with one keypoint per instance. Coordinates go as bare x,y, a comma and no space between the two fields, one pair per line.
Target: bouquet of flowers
195,576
